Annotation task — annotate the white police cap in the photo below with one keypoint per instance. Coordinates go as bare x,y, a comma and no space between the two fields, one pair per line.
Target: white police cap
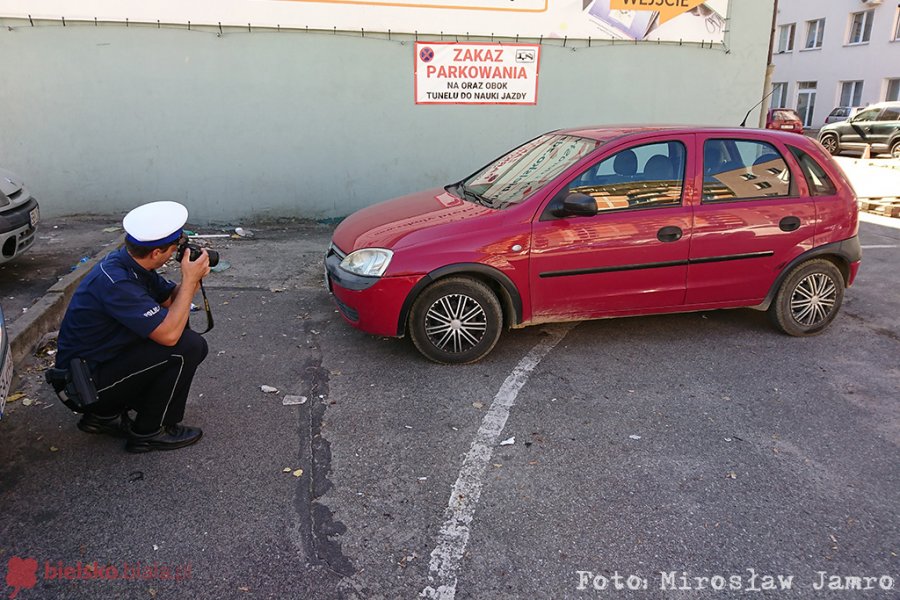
155,224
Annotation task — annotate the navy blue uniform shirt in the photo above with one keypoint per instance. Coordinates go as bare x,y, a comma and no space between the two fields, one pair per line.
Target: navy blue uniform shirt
117,304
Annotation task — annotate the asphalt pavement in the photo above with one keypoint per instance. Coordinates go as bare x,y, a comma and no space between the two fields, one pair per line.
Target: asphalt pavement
697,445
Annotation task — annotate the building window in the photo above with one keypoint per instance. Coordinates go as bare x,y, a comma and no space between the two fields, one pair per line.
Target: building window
779,95
815,31
851,93
786,38
897,26
861,27
893,90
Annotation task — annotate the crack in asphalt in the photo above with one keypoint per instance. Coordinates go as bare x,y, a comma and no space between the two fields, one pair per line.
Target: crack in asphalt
319,530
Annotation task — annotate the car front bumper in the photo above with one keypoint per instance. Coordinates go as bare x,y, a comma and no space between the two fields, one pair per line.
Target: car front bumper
17,229
371,304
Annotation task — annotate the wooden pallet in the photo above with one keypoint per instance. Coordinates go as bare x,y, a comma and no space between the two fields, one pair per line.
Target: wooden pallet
889,207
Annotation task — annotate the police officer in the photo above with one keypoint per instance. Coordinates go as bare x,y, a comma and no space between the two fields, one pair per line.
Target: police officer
131,326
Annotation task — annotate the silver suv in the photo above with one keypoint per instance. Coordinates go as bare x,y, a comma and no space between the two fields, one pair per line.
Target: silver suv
19,216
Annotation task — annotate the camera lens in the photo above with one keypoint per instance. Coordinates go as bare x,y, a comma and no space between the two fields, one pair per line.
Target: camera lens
213,257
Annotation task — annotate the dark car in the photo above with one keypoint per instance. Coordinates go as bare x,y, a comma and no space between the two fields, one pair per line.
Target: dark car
603,222
784,119
19,216
877,126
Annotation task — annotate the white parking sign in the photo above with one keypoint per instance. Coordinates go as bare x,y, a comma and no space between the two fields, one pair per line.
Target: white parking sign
470,73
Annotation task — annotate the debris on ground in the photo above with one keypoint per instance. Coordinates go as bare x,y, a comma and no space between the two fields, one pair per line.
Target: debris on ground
268,389
293,400
634,437
508,442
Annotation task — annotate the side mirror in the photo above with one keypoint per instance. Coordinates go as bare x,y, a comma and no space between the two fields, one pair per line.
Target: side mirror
579,205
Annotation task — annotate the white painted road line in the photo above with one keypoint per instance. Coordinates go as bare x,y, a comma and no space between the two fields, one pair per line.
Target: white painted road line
454,534
876,247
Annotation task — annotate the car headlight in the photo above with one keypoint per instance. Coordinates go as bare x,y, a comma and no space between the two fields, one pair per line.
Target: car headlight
369,262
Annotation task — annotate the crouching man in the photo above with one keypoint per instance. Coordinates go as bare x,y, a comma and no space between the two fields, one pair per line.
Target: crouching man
130,325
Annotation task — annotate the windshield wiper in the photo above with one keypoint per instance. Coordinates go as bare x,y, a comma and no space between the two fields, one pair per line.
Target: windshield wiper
473,196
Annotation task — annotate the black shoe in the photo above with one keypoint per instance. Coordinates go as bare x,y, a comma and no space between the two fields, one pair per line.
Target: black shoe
170,437
116,426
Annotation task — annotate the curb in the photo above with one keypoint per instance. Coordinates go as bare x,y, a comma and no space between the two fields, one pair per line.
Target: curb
46,314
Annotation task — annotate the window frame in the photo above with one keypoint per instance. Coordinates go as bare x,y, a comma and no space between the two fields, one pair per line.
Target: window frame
559,196
887,90
855,95
786,45
817,25
782,96
793,189
867,18
811,188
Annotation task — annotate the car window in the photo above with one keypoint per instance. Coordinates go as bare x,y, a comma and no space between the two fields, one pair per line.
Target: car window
514,176
785,115
816,177
867,115
639,177
890,114
742,170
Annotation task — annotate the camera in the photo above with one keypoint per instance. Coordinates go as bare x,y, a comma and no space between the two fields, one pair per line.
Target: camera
195,253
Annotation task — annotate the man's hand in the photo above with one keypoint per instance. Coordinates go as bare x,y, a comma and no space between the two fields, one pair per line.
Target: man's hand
192,271
169,331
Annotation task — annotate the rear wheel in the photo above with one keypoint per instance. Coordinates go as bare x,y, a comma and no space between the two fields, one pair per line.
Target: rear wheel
456,320
830,143
809,298
895,149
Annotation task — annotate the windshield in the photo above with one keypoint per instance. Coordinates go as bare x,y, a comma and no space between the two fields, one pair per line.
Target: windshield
513,177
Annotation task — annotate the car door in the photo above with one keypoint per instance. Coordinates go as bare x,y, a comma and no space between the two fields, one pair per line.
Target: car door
629,257
750,222
857,131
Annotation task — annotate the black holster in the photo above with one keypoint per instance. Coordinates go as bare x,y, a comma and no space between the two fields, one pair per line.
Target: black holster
74,386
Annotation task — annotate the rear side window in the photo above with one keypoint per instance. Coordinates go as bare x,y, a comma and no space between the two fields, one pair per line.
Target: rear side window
641,176
890,114
743,170
816,177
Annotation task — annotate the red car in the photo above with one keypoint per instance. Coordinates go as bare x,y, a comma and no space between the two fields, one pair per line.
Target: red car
784,119
603,222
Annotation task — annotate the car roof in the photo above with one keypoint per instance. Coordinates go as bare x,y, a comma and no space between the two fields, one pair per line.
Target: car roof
608,133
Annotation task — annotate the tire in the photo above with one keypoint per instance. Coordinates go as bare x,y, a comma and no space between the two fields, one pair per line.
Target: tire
437,330
830,142
808,299
895,149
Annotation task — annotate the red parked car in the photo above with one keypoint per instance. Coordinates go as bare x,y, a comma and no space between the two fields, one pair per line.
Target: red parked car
604,222
784,119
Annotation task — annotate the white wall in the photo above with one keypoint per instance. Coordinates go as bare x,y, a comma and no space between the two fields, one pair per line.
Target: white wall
294,124
837,61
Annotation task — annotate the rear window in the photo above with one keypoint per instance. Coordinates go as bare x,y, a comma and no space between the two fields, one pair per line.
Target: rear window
816,177
785,115
743,170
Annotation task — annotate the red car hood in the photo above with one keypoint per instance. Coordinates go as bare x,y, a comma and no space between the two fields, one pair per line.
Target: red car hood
383,225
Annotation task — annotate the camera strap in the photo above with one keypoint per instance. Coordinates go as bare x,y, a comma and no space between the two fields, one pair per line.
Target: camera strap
209,317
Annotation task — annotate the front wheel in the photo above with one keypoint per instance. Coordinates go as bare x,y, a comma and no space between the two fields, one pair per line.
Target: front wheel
830,143
809,298
895,149
457,320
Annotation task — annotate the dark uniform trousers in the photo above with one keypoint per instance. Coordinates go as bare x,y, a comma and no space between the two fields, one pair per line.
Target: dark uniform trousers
152,379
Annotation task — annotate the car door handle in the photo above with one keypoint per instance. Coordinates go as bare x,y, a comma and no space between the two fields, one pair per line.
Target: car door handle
669,234
789,224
